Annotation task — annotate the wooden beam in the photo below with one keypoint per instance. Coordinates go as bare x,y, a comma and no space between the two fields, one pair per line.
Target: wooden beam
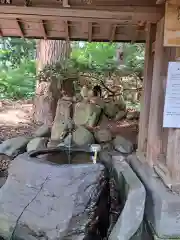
90,31
20,28
113,33
147,86
43,29
149,14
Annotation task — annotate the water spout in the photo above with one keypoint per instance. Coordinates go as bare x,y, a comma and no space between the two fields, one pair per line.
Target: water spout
95,148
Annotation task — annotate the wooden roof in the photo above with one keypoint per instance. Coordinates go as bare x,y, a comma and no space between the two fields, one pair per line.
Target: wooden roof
92,20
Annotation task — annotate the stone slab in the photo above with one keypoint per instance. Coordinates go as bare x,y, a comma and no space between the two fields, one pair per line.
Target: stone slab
162,206
132,194
41,200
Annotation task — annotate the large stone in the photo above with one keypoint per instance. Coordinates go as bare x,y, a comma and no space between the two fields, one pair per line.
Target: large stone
103,135
37,144
98,101
111,109
122,145
87,114
121,103
62,118
82,137
12,147
48,201
43,131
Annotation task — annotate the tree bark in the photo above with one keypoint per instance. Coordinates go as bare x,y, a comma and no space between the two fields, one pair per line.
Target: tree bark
47,94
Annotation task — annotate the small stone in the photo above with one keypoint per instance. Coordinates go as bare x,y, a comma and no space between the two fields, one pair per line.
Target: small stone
37,144
133,115
43,131
120,115
106,146
122,145
53,143
4,162
103,135
14,146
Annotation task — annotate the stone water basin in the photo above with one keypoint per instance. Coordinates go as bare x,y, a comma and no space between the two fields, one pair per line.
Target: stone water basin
45,198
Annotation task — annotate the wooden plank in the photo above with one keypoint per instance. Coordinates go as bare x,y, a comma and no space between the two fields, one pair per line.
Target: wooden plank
150,14
147,86
95,3
172,25
156,104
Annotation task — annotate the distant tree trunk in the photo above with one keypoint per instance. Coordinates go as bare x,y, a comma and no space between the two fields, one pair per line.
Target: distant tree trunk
47,94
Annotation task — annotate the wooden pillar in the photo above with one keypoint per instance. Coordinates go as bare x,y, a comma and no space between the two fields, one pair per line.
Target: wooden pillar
147,86
154,142
173,147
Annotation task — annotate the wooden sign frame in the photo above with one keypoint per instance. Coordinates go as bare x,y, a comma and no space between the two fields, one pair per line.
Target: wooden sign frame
172,24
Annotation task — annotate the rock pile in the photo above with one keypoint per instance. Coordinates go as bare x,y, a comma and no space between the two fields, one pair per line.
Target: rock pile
81,118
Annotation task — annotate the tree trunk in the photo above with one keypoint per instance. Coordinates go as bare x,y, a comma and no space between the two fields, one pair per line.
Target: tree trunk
47,94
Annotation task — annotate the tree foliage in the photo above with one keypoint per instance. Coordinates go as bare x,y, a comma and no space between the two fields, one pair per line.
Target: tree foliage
18,64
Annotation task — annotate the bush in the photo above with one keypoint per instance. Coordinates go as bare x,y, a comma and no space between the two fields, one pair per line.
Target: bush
19,82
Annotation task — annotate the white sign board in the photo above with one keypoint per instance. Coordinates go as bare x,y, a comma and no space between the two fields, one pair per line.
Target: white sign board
171,117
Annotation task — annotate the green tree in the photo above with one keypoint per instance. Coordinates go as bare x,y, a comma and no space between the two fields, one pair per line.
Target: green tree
13,51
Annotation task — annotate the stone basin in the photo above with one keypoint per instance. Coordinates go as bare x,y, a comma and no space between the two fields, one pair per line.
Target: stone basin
44,198
64,155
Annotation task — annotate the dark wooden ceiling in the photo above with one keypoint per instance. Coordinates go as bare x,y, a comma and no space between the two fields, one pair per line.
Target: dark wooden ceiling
91,20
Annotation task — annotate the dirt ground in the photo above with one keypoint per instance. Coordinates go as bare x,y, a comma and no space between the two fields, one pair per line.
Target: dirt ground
16,118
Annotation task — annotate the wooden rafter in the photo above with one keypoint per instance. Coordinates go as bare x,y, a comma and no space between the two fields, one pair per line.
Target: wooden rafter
43,29
113,33
66,27
20,28
1,33
90,31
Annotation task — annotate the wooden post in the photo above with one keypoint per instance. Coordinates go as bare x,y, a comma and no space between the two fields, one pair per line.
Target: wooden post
154,143
147,86
173,147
